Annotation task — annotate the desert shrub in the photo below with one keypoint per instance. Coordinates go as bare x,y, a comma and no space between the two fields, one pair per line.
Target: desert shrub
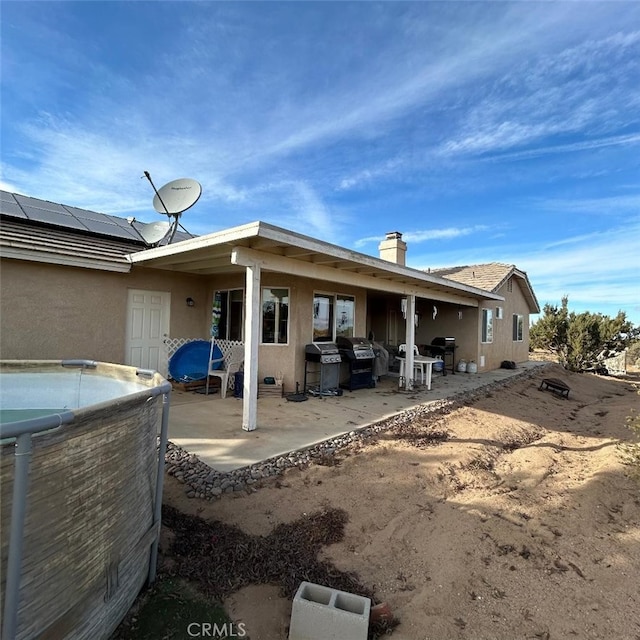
631,450
633,353
581,340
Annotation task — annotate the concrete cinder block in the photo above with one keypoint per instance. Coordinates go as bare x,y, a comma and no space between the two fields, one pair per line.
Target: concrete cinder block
321,613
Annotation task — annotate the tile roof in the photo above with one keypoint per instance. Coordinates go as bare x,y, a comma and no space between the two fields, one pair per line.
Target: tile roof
490,277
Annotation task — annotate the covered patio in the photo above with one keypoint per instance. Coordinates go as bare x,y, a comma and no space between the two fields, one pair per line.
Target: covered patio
209,426
259,257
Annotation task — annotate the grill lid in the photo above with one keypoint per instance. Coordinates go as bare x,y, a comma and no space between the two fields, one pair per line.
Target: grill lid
443,342
359,348
324,352
321,348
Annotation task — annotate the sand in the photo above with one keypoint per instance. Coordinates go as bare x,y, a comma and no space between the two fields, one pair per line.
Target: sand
524,523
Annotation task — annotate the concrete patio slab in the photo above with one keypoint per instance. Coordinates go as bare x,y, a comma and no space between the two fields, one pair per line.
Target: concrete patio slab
211,427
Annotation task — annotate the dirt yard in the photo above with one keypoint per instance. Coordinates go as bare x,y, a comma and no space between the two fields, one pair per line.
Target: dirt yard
509,518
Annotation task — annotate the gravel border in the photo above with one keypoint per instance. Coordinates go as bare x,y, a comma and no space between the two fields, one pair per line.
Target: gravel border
206,483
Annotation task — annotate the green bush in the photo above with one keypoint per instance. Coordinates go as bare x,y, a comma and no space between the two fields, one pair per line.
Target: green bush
633,354
631,450
582,340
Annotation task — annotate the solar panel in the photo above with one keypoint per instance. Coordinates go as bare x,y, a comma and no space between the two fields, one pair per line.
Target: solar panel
53,217
73,218
11,208
26,201
108,229
26,207
86,214
5,196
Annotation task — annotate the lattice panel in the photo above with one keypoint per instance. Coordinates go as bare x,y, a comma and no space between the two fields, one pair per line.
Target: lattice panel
171,345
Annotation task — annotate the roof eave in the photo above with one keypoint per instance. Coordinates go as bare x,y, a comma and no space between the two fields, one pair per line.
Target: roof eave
261,230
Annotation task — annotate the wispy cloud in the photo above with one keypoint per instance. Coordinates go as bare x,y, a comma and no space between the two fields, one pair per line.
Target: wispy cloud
307,212
560,93
364,178
254,111
629,140
424,235
627,205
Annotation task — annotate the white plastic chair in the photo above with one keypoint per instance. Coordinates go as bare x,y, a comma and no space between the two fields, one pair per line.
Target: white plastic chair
229,364
417,366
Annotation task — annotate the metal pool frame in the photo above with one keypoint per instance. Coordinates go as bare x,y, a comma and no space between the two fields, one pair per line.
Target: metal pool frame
23,431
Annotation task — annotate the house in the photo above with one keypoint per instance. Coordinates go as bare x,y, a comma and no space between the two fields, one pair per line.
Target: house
81,284
504,327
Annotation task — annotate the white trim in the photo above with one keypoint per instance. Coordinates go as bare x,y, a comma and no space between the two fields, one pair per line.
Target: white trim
299,252
244,255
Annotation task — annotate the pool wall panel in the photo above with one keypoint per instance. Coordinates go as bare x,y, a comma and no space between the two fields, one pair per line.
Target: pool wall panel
89,520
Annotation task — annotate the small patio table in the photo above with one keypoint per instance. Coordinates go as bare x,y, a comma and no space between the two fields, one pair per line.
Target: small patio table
425,361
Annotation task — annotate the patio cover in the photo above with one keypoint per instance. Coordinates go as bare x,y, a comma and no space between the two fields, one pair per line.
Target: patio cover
259,246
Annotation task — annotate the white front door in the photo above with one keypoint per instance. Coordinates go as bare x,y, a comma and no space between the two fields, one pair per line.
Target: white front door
147,327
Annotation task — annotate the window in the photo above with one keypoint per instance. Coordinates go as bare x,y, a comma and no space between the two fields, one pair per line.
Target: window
487,325
345,316
275,316
332,316
518,327
230,305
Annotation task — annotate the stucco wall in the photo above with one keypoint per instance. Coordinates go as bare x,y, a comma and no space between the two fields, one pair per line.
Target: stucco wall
53,312
290,358
448,323
503,346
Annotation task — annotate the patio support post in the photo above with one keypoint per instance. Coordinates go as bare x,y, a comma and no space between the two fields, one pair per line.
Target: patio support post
410,340
252,339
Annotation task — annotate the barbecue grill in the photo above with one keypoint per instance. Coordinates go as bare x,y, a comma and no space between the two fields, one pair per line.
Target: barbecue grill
444,347
322,364
357,363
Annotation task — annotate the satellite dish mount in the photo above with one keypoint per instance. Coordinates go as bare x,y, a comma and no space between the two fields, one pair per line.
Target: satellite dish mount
174,198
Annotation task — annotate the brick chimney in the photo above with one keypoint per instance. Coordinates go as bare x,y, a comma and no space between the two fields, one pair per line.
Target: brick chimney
393,248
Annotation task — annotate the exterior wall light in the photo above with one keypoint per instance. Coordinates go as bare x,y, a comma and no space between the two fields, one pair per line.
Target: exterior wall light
191,302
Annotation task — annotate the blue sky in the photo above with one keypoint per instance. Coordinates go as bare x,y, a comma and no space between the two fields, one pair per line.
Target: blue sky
483,131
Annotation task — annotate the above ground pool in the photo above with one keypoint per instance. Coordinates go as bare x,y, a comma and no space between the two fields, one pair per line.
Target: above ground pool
80,494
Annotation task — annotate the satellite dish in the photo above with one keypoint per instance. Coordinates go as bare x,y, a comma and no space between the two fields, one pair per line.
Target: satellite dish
153,232
177,196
